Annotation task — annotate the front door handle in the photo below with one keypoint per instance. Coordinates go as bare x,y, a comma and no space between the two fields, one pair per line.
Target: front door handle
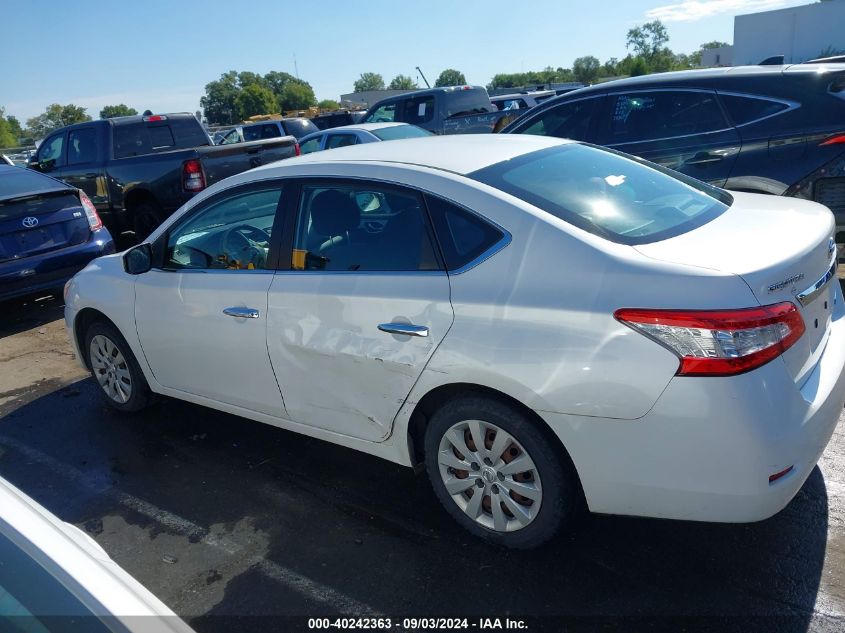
705,158
404,328
241,313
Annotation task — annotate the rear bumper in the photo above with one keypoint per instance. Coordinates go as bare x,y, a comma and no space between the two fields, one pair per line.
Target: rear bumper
53,269
708,446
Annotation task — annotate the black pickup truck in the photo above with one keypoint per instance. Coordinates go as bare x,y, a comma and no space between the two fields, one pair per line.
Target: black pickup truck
449,110
138,170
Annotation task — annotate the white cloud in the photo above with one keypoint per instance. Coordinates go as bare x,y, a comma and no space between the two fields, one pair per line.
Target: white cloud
692,10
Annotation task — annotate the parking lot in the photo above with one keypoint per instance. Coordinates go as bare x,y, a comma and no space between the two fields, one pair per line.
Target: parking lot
229,521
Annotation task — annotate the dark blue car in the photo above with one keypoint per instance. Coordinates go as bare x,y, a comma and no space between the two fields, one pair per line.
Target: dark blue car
48,232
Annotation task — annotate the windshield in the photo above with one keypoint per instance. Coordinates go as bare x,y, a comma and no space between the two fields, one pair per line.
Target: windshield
607,193
400,131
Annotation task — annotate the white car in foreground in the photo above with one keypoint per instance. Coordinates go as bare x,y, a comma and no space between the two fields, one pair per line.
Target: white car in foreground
530,318
54,577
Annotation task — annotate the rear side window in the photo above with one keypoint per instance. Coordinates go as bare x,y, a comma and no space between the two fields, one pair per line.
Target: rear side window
134,139
567,120
417,111
258,132
463,236
466,102
607,193
340,140
643,116
743,109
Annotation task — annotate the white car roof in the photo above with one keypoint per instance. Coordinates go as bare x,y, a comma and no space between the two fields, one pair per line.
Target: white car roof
457,153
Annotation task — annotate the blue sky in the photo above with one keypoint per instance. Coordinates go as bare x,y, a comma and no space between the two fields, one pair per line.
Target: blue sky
159,55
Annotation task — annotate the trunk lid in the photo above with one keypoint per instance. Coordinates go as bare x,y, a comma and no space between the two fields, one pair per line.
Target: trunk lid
781,247
41,222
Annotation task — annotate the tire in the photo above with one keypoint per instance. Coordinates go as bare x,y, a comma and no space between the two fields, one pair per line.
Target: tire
115,368
146,217
528,522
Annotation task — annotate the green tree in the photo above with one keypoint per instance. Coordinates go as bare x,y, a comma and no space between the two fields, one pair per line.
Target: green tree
14,127
276,81
7,137
54,117
328,104
296,95
647,40
637,67
586,69
218,102
450,77
252,100
120,109
402,82
369,81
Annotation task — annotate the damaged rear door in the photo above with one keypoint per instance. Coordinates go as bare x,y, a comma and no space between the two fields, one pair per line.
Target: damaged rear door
360,307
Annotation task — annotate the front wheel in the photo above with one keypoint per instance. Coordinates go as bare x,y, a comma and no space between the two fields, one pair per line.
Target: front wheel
497,474
113,365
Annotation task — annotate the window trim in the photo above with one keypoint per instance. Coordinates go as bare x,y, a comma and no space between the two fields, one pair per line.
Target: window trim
719,104
791,105
286,251
276,236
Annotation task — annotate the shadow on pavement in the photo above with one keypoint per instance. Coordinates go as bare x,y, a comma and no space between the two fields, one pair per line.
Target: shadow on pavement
26,313
375,532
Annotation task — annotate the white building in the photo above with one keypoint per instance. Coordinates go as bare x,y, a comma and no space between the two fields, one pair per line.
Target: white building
797,33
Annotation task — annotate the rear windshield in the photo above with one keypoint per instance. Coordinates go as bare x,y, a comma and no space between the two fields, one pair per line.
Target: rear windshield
19,181
607,193
299,127
465,102
38,204
142,137
258,132
400,131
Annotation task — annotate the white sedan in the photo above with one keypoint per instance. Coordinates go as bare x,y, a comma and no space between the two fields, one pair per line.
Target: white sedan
54,577
536,321
346,135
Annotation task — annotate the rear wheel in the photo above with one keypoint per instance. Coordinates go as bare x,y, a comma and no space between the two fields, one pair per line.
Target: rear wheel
496,473
146,219
113,365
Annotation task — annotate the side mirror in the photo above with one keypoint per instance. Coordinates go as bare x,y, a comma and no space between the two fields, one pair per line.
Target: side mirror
138,260
46,165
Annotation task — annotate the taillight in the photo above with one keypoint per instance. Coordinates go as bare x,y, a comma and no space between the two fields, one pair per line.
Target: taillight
192,177
297,149
719,342
834,140
94,221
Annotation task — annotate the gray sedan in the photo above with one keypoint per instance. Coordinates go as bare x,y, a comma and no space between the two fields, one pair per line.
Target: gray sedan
356,134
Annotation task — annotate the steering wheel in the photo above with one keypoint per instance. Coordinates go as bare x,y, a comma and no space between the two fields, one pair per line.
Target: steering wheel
235,240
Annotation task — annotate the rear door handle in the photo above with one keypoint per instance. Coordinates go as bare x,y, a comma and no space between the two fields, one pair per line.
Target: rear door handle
704,158
241,313
404,328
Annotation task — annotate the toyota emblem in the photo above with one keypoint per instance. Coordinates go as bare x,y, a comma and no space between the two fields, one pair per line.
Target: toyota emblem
29,222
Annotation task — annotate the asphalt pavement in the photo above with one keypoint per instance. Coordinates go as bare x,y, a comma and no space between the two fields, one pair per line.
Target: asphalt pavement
237,525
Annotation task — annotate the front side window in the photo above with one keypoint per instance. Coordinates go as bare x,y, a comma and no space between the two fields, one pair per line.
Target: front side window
232,233
360,228
607,193
82,146
643,116
567,120
340,140
383,114
51,151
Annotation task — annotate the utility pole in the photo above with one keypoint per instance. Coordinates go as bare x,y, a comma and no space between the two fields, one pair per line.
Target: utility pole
428,85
